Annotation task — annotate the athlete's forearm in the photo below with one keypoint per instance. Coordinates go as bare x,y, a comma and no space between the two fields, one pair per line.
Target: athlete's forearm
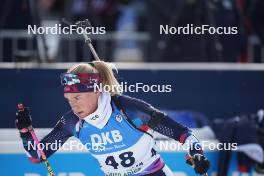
174,130
28,144
159,121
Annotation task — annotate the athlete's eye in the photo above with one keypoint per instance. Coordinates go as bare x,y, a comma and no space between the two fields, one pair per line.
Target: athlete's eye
77,97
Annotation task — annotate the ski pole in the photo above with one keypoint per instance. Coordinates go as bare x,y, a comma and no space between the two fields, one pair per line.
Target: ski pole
34,136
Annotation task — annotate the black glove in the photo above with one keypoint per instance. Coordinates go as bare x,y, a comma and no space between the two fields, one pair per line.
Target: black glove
200,163
260,168
23,119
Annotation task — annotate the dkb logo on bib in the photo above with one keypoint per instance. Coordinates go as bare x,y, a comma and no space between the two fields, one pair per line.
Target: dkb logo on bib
106,138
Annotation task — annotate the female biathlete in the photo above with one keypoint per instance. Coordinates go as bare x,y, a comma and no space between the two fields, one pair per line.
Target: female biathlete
116,129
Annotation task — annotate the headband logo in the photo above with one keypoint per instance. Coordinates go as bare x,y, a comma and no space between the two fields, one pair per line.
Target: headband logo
81,82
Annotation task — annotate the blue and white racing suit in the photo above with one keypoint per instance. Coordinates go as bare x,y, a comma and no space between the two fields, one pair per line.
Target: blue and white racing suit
123,146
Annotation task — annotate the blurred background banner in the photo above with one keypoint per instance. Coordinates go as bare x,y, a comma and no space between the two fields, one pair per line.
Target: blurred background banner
215,82
218,93
82,164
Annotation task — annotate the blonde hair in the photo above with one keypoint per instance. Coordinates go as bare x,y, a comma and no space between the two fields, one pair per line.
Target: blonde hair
105,70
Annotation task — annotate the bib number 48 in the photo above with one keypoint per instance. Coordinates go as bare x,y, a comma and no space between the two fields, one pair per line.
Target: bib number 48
127,160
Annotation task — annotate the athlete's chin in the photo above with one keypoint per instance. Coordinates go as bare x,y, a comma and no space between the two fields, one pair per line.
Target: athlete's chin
81,114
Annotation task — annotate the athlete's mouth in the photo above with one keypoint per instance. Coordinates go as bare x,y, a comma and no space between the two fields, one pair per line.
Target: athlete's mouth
80,112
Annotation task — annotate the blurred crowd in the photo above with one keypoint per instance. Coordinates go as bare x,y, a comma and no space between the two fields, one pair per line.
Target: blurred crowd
146,16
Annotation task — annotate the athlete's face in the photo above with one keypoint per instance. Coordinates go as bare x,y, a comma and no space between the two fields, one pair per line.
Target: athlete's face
83,104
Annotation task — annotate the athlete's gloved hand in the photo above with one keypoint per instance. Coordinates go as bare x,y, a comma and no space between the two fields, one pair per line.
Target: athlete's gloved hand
23,119
199,162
